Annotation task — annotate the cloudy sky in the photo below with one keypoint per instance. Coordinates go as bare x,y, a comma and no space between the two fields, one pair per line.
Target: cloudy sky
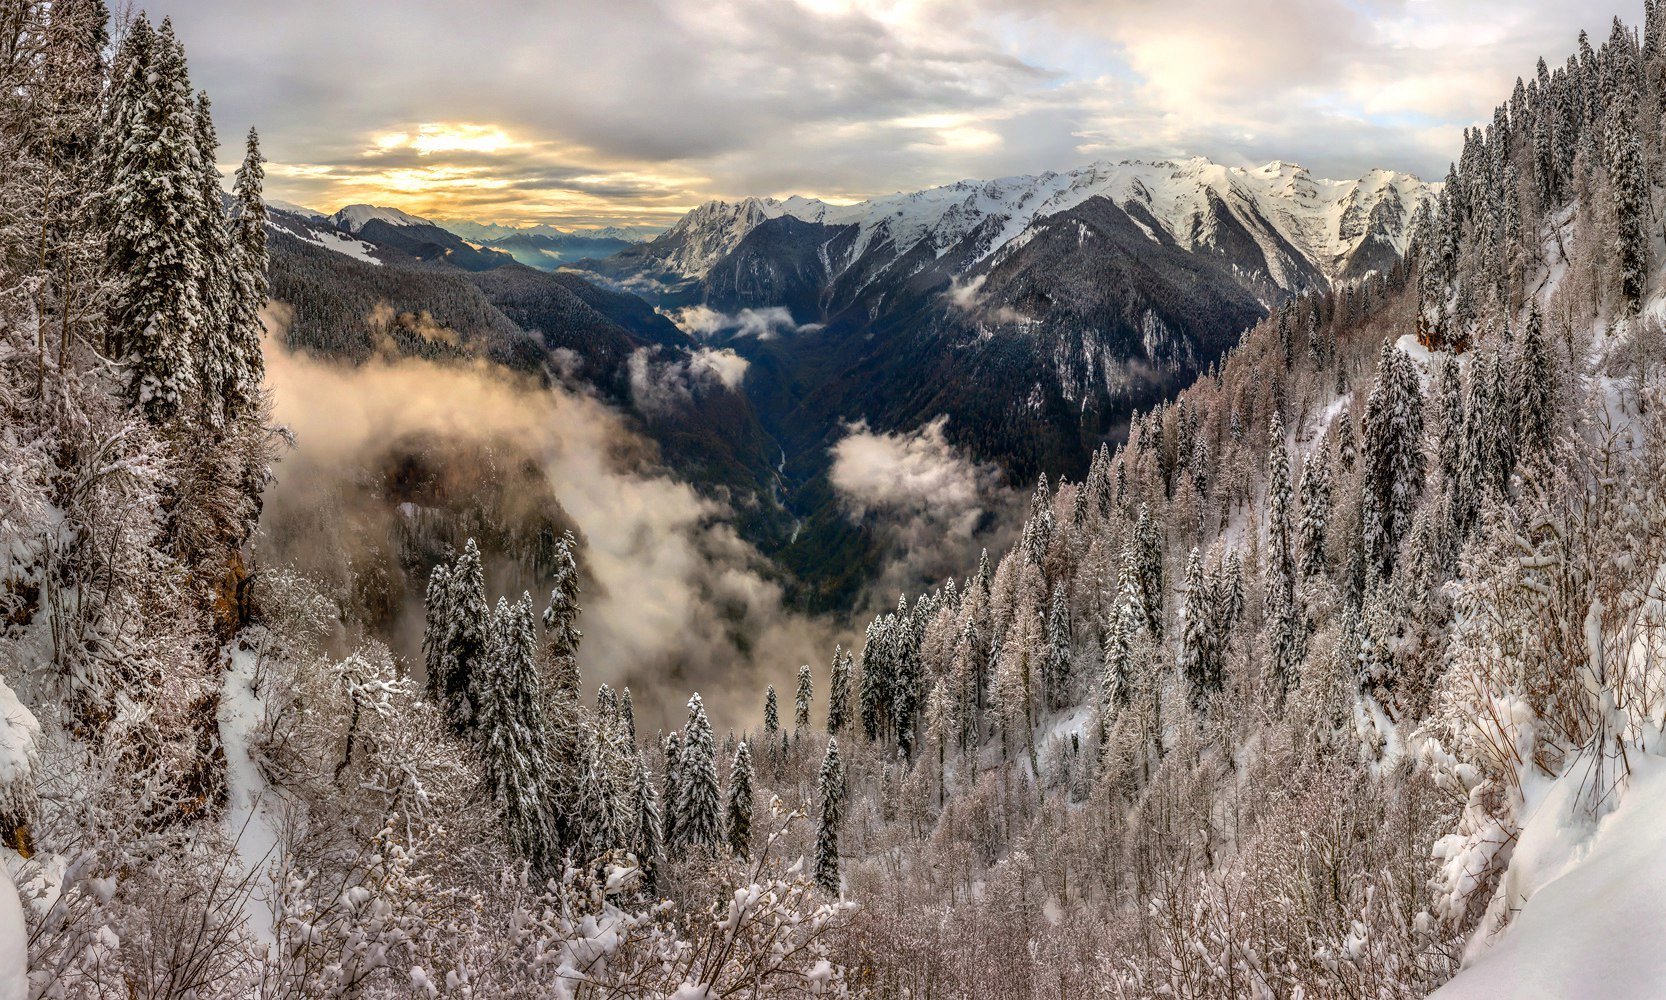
589,112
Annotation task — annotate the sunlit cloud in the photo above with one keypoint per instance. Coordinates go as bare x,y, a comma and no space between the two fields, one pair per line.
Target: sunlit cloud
632,111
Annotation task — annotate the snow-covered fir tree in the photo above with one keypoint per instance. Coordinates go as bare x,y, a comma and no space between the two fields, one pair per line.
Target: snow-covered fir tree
738,808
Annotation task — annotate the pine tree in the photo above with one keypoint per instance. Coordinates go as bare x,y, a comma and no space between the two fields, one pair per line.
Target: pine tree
464,639
876,680
830,787
511,734
561,635
740,802
772,715
838,697
645,842
1283,612
1628,180
215,360
801,700
154,184
246,365
1056,667
1393,457
627,715
699,819
673,797
1315,496
1148,572
1535,390
437,615
1197,633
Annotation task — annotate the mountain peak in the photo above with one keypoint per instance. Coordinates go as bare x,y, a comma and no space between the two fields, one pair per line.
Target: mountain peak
354,218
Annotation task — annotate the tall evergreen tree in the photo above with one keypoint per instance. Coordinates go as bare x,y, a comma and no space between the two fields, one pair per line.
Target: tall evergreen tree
246,366
1197,632
561,634
830,786
1283,613
1148,572
801,700
1535,390
740,802
1055,668
464,639
1393,457
646,843
772,714
215,359
673,797
700,817
876,680
1315,497
511,734
154,173
838,695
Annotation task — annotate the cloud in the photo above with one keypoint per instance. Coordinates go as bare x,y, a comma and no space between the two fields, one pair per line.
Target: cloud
705,322
661,386
936,506
636,110
678,602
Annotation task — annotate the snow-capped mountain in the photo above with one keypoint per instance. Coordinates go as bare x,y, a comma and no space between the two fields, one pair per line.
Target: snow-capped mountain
354,218
1327,224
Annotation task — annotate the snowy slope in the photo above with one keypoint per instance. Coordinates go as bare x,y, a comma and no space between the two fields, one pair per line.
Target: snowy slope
1592,920
354,218
1325,220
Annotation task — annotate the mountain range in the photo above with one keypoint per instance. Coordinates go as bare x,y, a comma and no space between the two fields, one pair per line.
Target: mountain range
1030,315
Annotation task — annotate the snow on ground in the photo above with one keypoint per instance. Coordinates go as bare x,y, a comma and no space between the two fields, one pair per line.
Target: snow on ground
1592,920
343,244
251,813
14,943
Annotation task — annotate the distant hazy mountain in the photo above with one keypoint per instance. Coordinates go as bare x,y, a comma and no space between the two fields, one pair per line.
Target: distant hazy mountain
546,247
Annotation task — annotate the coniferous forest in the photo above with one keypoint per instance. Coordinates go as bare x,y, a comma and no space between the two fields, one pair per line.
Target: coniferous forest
1341,673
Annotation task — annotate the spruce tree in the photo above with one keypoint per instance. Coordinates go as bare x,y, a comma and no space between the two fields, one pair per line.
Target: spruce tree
772,714
1393,457
1628,182
1148,571
511,734
673,797
627,716
246,365
1283,613
830,787
699,819
154,167
464,639
1197,633
801,700
1535,390
740,802
1315,497
215,360
1055,668
838,695
876,680
645,842
561,634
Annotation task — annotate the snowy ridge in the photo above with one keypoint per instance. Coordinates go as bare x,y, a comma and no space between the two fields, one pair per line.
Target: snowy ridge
1326,220
354,218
